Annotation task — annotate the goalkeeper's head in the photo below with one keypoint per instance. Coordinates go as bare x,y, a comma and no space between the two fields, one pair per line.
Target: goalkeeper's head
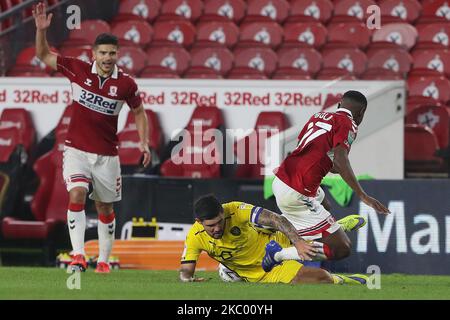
209,213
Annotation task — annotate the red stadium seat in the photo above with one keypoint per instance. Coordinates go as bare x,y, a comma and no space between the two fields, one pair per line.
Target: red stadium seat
129,153
155,136
437,9
89,30
397,60
21,119
10,139
268,33
5,5
225,33
130,133
199,152
435,87
437,118
289,73
276,10
399,10
303,10
174,58
353,60
83,53
335,74
307,34
49,204
147,9
246,73
189,9
250,150
27,58
181,32
262,59
355,33
353,8
202,72
132,59
381,74
420,149
414,102
435,35
232,9
306,59
64,121
138,32
158,72
219,59
402,34
438,60
27,73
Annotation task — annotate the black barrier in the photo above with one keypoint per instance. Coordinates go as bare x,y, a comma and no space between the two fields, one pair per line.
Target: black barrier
414,238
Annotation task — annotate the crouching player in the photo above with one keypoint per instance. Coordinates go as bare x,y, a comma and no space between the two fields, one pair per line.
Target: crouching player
234,235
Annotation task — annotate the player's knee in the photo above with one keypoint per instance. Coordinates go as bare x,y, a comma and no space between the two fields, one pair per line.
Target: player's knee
343,250
324,276
77,195
104,208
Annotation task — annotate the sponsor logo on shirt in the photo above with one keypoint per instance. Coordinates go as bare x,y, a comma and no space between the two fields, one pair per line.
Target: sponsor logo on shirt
96,102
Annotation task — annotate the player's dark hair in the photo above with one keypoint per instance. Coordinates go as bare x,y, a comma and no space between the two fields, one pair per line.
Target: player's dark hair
356,98
106,38
207,207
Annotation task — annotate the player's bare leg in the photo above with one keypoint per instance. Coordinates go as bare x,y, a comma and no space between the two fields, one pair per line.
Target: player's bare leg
316,275
312,275
339,244
76,220
106,229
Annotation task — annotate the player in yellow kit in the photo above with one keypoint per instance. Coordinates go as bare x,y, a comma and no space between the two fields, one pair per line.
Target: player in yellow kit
235,234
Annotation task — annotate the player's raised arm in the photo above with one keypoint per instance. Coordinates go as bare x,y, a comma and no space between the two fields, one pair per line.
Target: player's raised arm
187,271
342,164
42,23
270,219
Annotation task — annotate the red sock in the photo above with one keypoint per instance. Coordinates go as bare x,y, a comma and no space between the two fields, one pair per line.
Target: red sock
76,207
106,218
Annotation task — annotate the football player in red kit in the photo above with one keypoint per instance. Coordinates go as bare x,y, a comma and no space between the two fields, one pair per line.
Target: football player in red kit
99,89
324,144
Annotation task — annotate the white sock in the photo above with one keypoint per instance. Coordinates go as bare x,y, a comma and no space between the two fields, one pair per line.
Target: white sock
105,239
291,253
287,254
76,221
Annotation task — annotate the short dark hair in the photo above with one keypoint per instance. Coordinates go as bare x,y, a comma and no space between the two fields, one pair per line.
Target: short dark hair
207,207
106,38
355,98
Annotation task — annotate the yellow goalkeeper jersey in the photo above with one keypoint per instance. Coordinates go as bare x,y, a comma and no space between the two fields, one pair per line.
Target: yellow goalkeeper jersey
242,246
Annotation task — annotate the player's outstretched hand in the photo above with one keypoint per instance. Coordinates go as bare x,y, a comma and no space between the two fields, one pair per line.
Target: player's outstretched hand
40,17
374,203
147,155
306,251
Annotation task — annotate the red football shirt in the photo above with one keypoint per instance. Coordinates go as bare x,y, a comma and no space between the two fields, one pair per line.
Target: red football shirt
304,169
93,126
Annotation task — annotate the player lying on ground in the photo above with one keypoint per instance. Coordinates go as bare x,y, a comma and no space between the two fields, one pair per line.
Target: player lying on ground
324,144
99,89
234,235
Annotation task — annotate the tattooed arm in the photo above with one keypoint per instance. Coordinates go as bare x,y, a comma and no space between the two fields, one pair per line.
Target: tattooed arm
280,223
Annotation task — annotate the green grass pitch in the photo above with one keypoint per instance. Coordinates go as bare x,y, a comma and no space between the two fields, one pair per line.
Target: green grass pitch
50,283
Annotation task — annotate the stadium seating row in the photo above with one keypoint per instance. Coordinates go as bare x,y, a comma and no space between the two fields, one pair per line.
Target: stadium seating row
16,128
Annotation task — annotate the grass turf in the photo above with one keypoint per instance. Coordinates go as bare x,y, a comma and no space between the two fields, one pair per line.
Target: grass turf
50,283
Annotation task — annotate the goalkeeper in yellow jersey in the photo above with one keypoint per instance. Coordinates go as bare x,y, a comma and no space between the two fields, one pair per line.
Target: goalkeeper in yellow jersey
246,238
